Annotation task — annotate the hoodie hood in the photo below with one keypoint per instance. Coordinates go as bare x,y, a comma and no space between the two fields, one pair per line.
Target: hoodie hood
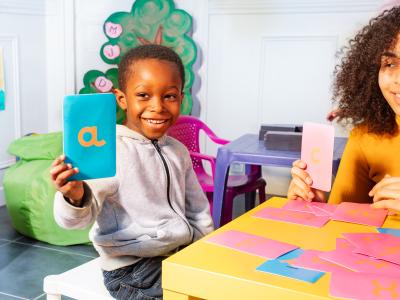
123,131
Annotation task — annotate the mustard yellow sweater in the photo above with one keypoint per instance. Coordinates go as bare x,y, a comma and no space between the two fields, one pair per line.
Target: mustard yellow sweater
366,159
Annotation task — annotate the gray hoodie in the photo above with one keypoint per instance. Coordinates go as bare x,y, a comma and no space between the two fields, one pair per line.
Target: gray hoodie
151,207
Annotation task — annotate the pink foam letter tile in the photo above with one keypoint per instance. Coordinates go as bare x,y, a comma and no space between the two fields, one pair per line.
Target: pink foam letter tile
352,285
297,205
321,208
319,212
360,214
310,259
296,217
379,245
364,239
343,244
361,263
252,244
317,151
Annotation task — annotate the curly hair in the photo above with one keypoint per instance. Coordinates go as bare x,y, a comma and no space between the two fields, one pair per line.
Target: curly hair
150,51
356,89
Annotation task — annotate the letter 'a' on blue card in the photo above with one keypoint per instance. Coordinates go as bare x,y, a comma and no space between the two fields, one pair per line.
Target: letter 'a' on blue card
90,134
277,267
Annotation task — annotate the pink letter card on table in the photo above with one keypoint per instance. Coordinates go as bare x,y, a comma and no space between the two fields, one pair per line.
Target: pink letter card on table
252,244
317,152
298,205
365,239
316,208
343,244
297,217
310,259
360,213
378,245
361,263
352,285
322,209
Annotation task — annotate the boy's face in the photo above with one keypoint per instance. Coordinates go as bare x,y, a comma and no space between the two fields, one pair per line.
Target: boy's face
389,76
153,97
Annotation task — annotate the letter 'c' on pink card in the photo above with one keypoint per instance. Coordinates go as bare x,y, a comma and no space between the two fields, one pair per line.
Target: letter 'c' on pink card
317,151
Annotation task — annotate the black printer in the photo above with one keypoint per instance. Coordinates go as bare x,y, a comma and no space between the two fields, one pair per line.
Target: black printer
286,137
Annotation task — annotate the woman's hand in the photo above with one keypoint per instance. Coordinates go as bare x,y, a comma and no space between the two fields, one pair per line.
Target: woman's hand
60,172
386,193
300,186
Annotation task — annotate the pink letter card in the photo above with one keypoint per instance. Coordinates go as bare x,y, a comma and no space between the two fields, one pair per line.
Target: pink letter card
343,244
322,209
297,217
310,259
379,245
361,263
360,214
252,244
352,285
298,205
317,151
316,208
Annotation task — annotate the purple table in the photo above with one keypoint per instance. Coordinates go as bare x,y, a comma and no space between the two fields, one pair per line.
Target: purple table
249,150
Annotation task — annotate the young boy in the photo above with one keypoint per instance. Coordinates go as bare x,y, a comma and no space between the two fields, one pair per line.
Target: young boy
154,205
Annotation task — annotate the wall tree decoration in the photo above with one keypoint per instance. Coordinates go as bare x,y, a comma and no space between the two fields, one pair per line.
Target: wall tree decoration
150,21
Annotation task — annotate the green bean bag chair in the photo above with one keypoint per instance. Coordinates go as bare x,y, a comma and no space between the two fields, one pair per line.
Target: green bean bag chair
29,193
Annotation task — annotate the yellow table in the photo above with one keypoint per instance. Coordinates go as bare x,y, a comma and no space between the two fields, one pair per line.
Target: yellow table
207,271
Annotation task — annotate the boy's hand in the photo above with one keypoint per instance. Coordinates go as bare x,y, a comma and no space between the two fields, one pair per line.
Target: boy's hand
60,172
386,193
300,186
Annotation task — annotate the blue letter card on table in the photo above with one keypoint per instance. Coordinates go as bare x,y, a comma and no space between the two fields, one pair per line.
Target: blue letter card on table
392,231
277,267
90,134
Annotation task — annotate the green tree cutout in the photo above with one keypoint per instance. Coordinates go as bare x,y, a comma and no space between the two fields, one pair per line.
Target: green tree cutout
149,22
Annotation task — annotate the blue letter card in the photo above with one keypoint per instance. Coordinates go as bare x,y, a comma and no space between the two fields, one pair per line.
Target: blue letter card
291,255
277,267
90,134
392,231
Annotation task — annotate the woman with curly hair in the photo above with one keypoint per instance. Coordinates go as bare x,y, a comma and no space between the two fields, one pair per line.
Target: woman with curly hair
367,94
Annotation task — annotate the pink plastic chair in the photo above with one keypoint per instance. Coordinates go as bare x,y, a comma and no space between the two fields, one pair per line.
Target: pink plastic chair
187,130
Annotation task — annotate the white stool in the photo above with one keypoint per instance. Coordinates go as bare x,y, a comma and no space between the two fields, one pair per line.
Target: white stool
84,282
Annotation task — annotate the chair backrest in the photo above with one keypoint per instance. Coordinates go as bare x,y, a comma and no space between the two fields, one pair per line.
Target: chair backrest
187,131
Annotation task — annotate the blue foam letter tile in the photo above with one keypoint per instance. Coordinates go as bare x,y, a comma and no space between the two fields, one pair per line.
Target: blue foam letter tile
277,267
392,231
291,255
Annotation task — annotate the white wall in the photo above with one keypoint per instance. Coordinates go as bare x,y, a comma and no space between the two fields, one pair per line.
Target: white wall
22,38
60,58
272,62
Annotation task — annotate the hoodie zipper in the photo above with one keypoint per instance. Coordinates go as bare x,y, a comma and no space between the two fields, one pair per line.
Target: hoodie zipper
155,143
157,146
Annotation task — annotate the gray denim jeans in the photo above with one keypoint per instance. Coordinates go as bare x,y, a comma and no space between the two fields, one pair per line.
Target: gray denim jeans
141,280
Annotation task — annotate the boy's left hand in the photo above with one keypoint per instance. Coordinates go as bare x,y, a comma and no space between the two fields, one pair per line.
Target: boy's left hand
386,193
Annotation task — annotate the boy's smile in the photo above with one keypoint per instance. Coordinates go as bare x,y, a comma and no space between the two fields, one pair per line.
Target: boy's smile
152,98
